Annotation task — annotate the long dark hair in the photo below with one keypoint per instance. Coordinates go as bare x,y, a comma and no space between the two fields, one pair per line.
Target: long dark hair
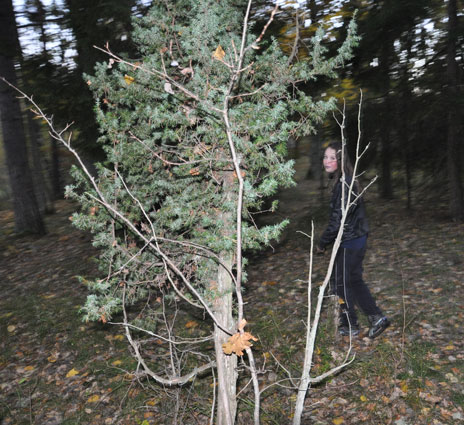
347,165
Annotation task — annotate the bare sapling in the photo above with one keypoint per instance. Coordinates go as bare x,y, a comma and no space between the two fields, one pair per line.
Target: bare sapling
349,197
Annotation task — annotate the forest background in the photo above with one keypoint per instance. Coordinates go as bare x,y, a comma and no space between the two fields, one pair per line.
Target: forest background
409,65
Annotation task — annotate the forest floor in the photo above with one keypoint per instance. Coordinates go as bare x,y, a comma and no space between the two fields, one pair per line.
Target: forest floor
56,369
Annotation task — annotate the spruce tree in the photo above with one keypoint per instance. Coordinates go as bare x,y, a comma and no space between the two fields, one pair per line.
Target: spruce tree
194,130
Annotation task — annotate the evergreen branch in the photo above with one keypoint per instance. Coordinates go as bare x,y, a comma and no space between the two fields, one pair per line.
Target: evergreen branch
165,161
58,135
159,74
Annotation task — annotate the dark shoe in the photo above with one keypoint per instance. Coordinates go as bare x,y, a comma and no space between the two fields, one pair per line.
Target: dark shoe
379,323
347,327
347,331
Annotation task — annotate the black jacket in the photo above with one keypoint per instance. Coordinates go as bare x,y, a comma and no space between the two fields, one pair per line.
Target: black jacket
356,222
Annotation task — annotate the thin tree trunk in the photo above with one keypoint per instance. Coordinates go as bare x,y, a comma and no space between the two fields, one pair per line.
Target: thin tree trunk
42,190
27,214
222,291
55,175
404,120
456,205
226,365
385,139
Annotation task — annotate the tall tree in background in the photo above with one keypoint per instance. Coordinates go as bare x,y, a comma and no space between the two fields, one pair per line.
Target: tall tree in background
454,118
27,214
95,23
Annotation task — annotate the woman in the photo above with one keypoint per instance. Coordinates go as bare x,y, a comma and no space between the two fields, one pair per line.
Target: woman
347,281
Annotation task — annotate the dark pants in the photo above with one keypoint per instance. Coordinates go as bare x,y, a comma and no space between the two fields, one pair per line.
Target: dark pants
348,284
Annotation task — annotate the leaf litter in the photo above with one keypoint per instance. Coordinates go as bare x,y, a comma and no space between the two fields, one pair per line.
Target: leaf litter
54,369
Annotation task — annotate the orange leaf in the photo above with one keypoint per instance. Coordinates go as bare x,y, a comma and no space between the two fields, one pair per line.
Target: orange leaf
219,53
242,173
191,324
194,172
237,343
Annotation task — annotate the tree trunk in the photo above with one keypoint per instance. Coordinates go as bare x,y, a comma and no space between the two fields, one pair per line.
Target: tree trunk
404,120
55,175
223,310
42,192
27,214
456,205
386,185
226,365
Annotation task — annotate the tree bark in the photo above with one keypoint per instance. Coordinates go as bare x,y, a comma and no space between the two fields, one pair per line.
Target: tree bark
223,310
386,185
226,365
42,191
404,120
26,210
456,206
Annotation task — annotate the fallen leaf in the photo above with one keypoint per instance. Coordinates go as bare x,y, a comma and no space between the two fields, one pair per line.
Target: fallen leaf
194,172
191,324
11,328
116,363
128,79
363,398
242,173
51,359
119,337
269,283
186,71
29,368
168,88
71,373
93,399
219,53
338,421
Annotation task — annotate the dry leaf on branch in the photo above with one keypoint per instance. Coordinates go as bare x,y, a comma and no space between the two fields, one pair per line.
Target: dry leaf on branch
128,79
219,53
168,88
186,71
194,172
238,342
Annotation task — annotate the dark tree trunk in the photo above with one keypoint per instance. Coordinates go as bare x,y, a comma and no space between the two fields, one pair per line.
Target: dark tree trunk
456,206
386,186
404,120
42,190
27,214
55,175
